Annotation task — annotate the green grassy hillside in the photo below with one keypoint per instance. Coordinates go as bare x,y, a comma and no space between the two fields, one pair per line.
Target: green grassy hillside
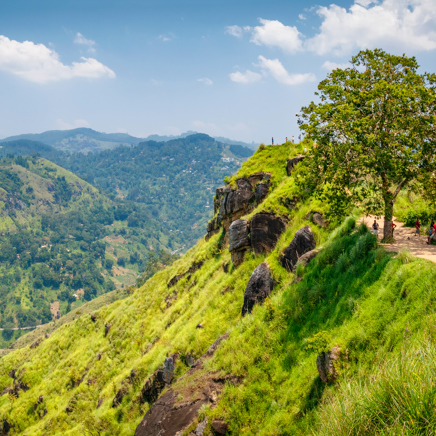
377,307
59,237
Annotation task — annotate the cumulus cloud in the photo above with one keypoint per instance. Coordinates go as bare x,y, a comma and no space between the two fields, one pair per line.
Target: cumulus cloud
37,63
273,33
234,31
402,24
278,71
205,81
328,65
301,17
80,39
247,77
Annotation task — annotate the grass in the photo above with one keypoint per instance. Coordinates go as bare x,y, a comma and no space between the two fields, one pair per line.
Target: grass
378,307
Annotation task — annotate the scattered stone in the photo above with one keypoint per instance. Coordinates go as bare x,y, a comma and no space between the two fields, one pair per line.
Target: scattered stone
98,357
93,317
100,402
306,258
195,266
200,326
220,427
36,343
226,267
326,364
302,242
237,257
12,373
189,359
199,430
107,327
266,229
293,162
46,336
119,396
319,220
5,391
258,288
6,426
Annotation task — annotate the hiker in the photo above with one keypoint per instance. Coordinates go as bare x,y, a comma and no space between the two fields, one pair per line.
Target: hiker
305,149
417,227
272,140
393,227
292,139
286,139
299,137
431,232
375,228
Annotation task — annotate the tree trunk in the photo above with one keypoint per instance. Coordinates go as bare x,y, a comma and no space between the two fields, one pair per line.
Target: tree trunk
387,228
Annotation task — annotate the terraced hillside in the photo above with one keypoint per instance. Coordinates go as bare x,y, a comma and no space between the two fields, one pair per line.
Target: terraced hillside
315,330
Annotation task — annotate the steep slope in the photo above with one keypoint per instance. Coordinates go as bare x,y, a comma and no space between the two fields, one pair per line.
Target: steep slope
144,365
61,237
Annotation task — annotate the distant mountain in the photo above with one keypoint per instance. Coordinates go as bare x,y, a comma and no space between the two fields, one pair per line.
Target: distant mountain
86,140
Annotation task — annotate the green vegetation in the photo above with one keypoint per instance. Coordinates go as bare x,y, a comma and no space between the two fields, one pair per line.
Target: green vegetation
375,132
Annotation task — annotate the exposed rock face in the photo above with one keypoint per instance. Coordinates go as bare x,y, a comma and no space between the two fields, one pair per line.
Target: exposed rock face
36,343
170,415
220,427
239,240
326,364
258,288
303,242
317,218
265,232
306,258
292,162
195,266
232,204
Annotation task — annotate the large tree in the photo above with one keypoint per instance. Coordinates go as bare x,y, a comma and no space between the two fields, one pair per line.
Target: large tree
374,128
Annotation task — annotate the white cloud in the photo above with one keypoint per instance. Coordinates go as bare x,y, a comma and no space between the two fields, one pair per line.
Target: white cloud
80,39
37,63
301,17
247,77
401,24
275,34
278,71
63,125
205,80
234,31
328,65
166,38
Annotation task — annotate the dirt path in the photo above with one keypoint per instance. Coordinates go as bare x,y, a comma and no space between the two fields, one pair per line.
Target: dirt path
415,244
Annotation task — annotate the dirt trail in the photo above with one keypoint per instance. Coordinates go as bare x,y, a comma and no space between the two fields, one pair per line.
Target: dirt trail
415,244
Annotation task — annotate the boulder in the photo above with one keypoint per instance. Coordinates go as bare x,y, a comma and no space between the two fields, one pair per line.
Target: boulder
326,364
107,327
306,258
220,427
244,184
319,220
189,359
292,162
303,242
36,343
237,201
265,231
261,191
238,235
258,288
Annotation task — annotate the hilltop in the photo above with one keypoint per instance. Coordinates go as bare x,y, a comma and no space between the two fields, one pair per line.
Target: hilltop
63,243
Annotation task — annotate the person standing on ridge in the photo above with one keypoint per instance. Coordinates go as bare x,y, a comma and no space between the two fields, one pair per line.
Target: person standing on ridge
272,140
417,227
299,137
292,139
375,228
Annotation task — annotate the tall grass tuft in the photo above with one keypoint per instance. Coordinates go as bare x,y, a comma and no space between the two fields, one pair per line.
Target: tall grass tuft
399,398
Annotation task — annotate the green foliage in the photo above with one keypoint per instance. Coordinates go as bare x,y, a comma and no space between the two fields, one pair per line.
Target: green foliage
374,128
319,342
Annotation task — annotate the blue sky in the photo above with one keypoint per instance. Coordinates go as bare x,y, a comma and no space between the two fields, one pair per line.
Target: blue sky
239,68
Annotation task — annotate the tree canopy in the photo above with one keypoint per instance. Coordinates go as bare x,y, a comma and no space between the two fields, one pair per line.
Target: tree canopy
374,130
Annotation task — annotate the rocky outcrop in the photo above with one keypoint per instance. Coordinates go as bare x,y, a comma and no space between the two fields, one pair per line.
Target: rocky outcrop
231,204
302,242
326,363
293,162
179,406
220,427
239,240
195,267
265,231
317,218
258,288
306,258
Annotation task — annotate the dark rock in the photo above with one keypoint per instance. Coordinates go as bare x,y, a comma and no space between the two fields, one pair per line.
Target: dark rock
226,267
100,402
237,201
6,426
326,364
107,327
244,184
69,409
265,231
189,359
46,336
98,357
293,162
12,373
168,417
93,317
238,235
200,429
194,267
167,373
259,177
200,326
302,242
319,220
258,288
261,191
237,257
36,343
5,391
309,216
119,396
306,258
133,374
40,399
220,427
